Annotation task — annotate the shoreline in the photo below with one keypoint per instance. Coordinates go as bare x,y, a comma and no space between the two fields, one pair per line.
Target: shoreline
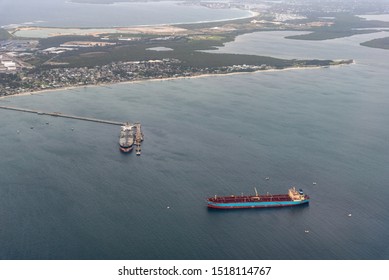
69,88
15,28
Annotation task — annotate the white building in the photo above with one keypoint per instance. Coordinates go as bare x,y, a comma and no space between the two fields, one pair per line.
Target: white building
7,65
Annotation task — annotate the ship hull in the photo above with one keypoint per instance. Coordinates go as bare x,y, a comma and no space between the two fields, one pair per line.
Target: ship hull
293,198
262,204
125,149
126,139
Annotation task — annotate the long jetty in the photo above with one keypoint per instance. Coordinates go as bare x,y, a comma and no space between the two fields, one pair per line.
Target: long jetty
57,114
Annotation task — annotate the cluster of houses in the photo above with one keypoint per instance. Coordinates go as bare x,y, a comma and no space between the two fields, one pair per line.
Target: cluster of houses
7,65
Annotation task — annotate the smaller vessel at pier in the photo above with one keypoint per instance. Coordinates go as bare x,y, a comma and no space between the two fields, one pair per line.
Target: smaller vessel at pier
292,198
138,139
126,139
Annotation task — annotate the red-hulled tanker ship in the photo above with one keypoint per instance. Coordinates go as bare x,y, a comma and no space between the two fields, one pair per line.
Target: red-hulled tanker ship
292,198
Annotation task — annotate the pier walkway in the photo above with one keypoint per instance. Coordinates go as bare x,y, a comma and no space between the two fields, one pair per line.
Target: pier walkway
57,114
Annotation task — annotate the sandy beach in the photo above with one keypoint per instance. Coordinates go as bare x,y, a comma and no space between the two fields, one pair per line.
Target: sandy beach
156,29
44,32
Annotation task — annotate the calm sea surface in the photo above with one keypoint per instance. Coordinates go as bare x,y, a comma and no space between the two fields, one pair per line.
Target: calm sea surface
61,13
66,192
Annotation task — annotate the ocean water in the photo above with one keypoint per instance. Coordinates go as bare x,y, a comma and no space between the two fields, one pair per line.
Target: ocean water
66,192
62,13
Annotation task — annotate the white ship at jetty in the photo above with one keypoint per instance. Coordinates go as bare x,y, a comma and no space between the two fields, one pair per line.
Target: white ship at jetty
130,135
127,136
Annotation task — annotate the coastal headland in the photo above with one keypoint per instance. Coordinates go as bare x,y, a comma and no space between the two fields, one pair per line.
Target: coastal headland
35,58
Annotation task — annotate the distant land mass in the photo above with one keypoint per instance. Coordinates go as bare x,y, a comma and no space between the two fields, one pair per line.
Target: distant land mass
87,56
381,43
4,34
342,25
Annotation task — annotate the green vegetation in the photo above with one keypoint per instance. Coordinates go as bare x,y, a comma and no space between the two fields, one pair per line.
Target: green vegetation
117,36
58,40
345,25
4,34
328,34
207,37
189,52
212,24
381,43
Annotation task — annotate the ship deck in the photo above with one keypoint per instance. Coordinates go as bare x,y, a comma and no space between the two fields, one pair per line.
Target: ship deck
239,199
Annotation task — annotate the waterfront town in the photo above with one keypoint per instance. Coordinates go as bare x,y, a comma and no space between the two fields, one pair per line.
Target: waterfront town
30,65
34,58
15,83
20,72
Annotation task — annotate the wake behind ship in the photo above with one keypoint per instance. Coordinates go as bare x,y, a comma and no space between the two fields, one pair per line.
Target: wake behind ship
292,198
126,139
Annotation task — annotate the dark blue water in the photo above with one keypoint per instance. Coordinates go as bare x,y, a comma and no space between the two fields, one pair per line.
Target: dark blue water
70,194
